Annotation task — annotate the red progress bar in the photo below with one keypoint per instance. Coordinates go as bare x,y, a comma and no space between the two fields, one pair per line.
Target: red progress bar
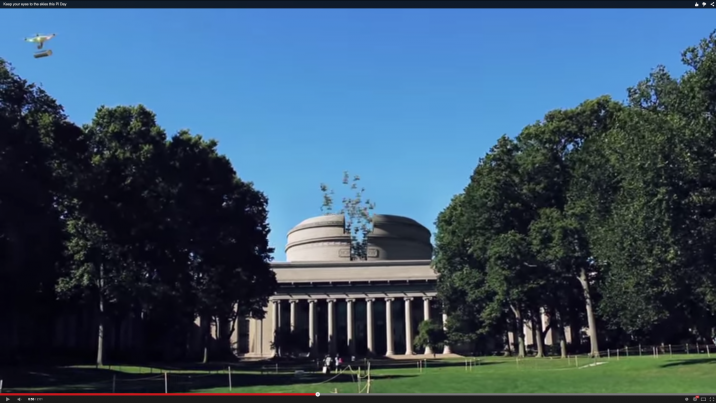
157,394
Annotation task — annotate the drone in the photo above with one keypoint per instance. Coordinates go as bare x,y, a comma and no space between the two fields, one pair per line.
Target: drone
40,41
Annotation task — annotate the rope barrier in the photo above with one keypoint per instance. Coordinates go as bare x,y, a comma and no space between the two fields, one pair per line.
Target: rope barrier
175,375
156,377
335,376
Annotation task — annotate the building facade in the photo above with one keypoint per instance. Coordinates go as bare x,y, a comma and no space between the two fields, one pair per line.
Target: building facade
342,306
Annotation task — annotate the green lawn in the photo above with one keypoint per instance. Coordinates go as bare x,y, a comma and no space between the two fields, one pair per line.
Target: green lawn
678,374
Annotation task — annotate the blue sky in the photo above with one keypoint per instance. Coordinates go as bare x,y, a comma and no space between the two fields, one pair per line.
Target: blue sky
408,99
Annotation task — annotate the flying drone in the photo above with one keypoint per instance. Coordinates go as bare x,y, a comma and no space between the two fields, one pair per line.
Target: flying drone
40,41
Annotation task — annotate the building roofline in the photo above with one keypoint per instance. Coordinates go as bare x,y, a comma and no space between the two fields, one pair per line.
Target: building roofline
353,263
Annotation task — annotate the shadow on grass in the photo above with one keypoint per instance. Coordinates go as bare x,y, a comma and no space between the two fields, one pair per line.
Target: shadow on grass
92,380
406,364
689,362
309,365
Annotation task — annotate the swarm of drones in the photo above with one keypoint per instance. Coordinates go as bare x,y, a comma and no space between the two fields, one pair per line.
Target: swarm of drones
40,41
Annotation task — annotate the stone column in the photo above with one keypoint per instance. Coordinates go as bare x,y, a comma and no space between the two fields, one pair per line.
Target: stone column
408,327
275,307
332,326
369,324
426,316
312,340
389,327
292,315
446,349
349,327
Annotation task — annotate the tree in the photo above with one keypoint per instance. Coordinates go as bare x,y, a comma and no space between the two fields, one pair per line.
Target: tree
461,281
39,162
357,212
557,154
484,266
519,229
657,239
112,253
430,334
222,229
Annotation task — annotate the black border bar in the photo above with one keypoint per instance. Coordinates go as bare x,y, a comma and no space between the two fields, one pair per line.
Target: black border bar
358,4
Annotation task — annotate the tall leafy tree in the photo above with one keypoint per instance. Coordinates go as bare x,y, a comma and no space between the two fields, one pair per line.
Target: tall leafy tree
556,154
482,251
662,223
39,160
111,249
222,226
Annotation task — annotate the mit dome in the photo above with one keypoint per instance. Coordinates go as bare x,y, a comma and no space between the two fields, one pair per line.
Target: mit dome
323,239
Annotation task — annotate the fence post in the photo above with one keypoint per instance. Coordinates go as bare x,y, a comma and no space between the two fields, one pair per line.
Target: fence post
708,351
0,385
277,368
230,378
576,361
687,348
617,354
639,350
626,350
114,383
609,354
359,388
669,350
697,348
166,382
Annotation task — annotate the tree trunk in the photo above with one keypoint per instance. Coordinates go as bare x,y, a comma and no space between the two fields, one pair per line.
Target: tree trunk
591,322
561,335
101,320
519,332
539,335
205,348
205,328
225,329
547,329
515,344
508,347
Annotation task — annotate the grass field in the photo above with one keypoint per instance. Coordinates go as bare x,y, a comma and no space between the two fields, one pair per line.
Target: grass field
676,374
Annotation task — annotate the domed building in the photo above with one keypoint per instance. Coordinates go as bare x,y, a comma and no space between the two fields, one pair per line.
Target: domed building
343,306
